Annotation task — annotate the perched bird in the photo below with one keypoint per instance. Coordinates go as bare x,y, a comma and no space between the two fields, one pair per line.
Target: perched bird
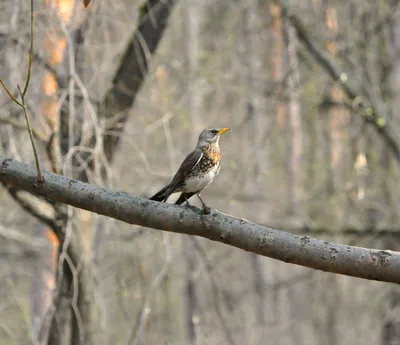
197,170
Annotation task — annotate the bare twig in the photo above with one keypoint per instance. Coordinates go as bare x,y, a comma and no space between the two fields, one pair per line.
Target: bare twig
382,124
10,94
39,178
28,76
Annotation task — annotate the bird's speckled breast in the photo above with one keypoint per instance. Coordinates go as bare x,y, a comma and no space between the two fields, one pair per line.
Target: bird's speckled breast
210,161
205,171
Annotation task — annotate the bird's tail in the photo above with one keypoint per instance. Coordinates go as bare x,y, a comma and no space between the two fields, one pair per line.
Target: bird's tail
162,195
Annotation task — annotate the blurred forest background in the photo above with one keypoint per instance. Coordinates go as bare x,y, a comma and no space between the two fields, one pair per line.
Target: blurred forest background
310,91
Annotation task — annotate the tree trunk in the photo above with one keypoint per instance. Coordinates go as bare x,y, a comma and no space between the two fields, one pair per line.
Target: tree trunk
193,19
391,323
296,167
44,285
195,94
277,61
339,122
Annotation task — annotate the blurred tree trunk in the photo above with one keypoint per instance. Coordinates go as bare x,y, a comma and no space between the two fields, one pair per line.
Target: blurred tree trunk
339,141
296,167
196,96
75,276
75,318
45,282
257,116
332,304
192,307
277,61
394,80
44,285
127,81
339,122
256,106
391,323
260,293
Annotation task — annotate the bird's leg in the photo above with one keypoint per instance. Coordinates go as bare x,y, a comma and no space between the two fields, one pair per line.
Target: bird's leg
206,209
187,201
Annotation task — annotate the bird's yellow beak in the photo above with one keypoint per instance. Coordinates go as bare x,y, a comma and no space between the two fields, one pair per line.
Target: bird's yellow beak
223,130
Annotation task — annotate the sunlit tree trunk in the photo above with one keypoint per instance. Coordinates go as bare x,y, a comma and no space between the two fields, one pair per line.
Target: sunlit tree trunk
277,61
195,95
44,285
339,122
256,107
394,53
193,21
296,165
258,125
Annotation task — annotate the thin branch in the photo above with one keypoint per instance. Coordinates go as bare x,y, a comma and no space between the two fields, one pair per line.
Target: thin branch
382,124
39,178
40,209
28,77
10,94
322,255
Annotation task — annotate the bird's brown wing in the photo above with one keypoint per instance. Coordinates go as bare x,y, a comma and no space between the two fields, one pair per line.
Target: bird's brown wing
187,165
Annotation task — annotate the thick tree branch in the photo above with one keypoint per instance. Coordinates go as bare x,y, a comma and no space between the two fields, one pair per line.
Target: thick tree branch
376,233
301,250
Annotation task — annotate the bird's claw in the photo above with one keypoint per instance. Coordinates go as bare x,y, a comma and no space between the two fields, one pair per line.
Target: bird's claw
193,208
206,209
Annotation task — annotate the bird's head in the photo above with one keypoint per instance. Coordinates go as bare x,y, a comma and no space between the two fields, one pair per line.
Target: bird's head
211,135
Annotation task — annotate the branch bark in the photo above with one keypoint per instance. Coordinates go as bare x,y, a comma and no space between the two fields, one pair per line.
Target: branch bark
301,250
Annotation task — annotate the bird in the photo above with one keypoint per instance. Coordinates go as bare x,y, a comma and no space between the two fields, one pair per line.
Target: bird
197,170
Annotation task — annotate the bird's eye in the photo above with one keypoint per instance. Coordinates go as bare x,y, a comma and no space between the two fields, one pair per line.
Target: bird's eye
214,131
